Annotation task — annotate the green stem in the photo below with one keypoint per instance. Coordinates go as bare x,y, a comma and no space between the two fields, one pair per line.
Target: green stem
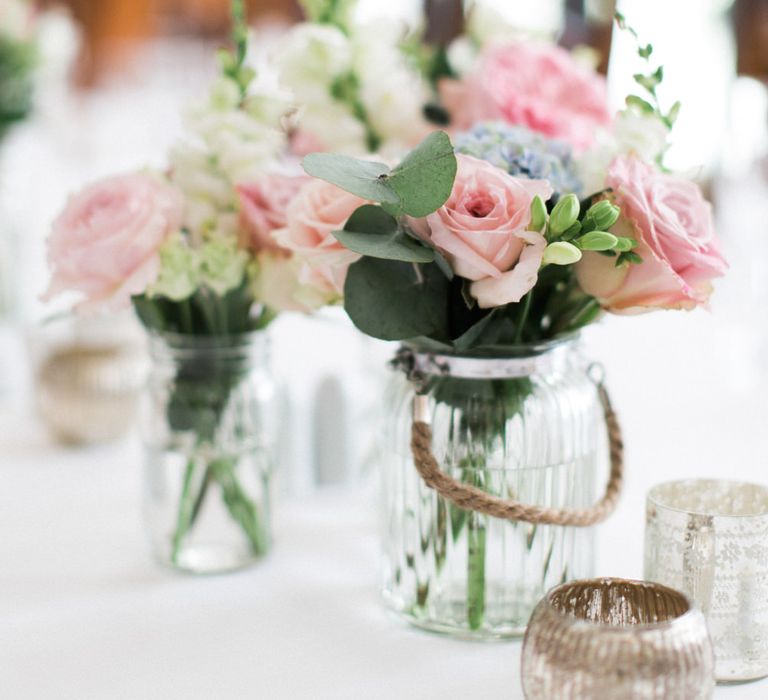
186,316
475,562
523,318
240,506
198,504
183,519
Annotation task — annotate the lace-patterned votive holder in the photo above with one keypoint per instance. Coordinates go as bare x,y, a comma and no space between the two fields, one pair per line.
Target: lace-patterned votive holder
597,639
709,539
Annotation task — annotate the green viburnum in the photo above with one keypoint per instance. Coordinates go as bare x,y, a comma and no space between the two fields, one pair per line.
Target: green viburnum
179,270
222,264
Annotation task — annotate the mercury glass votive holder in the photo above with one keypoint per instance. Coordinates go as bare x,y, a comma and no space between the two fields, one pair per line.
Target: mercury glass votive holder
599,639
709,539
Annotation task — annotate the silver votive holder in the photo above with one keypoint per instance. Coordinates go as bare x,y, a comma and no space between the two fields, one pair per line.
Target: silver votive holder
599,639
88,375
709,539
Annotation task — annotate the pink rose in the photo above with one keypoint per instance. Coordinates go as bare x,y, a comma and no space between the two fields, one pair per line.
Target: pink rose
263,205
317,210
481,231
534,85
673,224
105,243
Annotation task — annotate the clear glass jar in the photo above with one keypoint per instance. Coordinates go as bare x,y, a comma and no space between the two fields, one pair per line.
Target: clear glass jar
527,426
209,437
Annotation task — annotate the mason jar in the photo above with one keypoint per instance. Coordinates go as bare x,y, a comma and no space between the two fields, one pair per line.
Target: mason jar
209,439
526,425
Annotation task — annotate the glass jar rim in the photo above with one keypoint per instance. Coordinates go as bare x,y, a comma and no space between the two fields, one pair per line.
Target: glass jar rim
654,497
573,621
512,362
500,352
184,344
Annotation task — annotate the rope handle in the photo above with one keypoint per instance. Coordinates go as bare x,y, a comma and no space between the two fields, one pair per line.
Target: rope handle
472,498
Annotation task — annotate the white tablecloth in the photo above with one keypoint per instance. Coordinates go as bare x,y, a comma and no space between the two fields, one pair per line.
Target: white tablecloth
85,614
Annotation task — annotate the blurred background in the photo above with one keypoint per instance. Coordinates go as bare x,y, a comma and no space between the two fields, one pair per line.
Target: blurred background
110,91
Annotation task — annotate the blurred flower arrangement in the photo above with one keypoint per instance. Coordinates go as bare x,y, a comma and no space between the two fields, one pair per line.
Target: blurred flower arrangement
18,54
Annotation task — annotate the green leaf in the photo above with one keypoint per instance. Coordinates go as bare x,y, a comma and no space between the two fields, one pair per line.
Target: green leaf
644,106
673,113
424,179
470,337
645,51
597,240
572,231
624,245
364,178
394,300
444,265
371,231
628,258
649,82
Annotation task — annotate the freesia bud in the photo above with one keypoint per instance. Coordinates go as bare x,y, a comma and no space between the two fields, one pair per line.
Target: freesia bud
538,214
597,240
604,214
561,253
564,214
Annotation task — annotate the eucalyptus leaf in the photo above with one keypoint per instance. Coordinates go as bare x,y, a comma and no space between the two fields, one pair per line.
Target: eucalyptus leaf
394,300
372,231
364,178
424,179
471,336
396,246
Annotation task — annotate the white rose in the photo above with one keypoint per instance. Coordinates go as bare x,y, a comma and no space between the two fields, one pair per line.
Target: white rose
312,55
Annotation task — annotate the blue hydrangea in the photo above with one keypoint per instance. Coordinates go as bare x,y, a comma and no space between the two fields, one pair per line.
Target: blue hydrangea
522,152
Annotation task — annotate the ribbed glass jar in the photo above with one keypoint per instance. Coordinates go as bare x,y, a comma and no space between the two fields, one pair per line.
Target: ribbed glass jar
526,426
209,438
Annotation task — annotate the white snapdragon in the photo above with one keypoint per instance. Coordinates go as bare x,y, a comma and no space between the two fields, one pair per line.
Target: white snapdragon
311,57
392,92
334,125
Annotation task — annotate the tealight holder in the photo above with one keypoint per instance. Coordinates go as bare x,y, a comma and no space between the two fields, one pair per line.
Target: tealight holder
709,539
88,375
615,638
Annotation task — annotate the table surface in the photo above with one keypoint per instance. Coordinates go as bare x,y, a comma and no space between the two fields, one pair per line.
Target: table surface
85,613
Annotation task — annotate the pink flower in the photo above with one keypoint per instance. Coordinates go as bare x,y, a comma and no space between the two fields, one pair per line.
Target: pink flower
673,224
481,231
105,243
533,85
317,210
263,205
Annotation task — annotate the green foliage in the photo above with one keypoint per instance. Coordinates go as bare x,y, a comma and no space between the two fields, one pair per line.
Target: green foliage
419,185
649,81
336,12
393,300
371,231
17,61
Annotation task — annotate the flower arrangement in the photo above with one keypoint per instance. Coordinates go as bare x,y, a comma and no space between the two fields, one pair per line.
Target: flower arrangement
546,214
18,54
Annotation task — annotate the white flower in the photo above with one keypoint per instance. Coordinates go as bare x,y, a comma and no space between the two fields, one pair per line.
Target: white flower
334,125
312,56
275,283
462,55
392,92
179,270
222,263
645,135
